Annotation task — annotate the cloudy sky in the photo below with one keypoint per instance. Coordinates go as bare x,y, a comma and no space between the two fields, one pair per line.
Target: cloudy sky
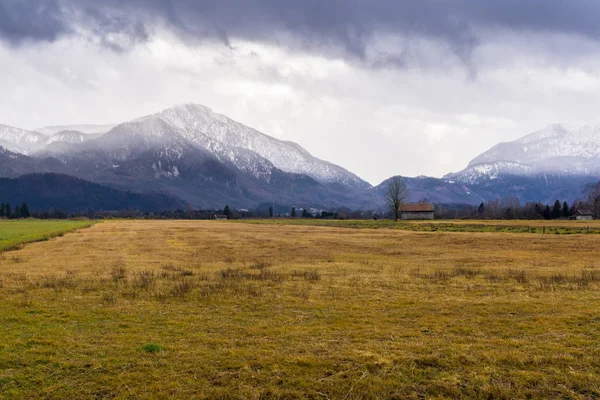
381,87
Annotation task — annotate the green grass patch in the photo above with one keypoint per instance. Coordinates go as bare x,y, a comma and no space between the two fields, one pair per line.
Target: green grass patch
476,226
153,348
15,233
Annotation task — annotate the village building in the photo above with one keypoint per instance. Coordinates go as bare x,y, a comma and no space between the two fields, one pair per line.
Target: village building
584,215
421,211
219,217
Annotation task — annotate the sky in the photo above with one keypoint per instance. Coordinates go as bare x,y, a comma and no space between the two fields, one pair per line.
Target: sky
381,87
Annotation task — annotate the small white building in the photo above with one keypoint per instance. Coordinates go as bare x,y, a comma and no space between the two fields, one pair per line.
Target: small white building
584,215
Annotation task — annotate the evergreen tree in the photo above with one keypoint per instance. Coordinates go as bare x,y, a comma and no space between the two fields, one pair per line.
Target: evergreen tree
481,209
17,212
2,210
7,211
293,212
557,210
271,211
566,210
548,212
227,211
25,211
306,214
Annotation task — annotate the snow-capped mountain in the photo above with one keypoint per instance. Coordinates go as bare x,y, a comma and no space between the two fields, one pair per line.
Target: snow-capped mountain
555,150
174,130
87,129
21,140
28,142
204,158
231,141
208,160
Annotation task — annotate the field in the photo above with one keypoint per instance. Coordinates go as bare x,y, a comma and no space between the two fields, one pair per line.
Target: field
509,226
191,309
17,232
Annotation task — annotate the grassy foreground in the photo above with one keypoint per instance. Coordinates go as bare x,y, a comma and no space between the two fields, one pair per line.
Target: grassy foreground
185,309
14,233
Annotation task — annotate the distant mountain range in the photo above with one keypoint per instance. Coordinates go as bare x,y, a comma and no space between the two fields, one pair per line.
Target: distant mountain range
192,156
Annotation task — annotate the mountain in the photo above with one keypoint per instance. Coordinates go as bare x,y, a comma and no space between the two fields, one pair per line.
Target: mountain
232,141
555,150
13,164
556,162
86,129
21,140
43,192
28,142
208,160
433,190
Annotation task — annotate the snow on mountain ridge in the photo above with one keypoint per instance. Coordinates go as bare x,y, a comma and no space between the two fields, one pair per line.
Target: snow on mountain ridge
556,149
172,130
228,139
552,141
28,142
85,128
20,140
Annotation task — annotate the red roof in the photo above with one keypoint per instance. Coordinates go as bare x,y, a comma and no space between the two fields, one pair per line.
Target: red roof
417,207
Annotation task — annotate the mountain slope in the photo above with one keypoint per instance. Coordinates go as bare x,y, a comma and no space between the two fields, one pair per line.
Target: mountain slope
14,164
433,190
228,140
21,140
27,142
85,129
554,150
208,160
44,192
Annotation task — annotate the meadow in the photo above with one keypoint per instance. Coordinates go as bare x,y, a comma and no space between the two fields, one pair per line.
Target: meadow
210,309
567,227
14,233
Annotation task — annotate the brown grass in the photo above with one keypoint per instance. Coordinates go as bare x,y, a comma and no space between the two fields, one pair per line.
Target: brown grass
259,311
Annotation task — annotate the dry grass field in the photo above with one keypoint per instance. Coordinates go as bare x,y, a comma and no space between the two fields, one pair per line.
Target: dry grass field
185,309
561,227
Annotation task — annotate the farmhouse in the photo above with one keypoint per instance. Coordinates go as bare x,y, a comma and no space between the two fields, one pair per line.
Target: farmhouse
584,215
220,217
417,211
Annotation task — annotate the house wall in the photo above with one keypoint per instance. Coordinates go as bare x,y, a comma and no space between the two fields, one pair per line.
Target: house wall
585,218
417,215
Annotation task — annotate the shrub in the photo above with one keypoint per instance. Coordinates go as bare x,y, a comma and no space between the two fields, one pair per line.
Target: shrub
118,273
144,280
182,288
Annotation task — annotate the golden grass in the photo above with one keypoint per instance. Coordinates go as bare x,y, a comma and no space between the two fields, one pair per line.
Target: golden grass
184,309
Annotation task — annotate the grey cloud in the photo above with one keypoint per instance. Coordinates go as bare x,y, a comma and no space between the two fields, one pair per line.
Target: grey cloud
22,20
344,26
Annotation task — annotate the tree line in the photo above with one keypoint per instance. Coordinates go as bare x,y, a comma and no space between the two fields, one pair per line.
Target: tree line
396,195
18,212
511,208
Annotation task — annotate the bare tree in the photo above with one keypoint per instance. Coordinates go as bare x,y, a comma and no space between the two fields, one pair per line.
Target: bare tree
396,195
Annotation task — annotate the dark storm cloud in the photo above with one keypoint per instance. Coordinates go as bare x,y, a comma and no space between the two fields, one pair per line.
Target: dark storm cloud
320,25
32,19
